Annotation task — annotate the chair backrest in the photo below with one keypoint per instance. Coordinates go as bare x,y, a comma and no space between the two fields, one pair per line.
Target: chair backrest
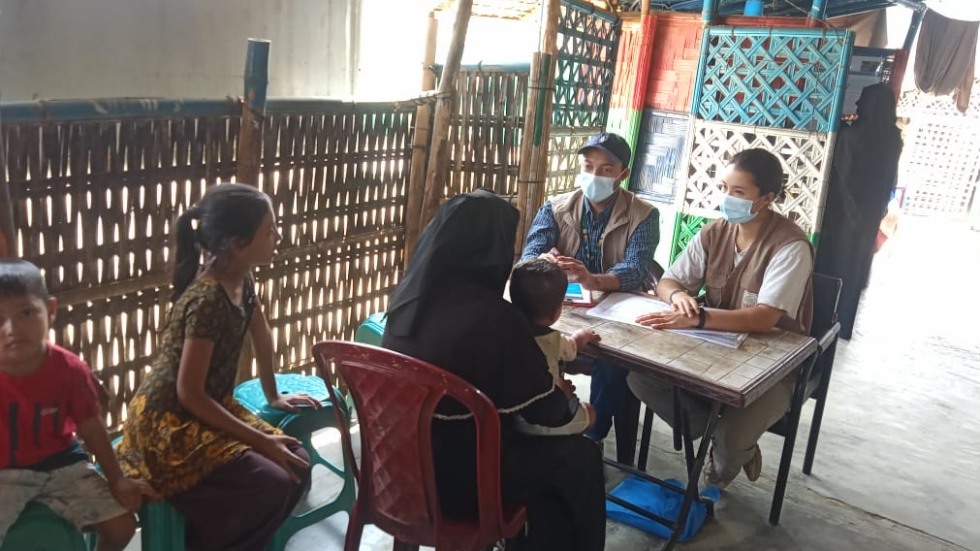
654,277
395,397
826,294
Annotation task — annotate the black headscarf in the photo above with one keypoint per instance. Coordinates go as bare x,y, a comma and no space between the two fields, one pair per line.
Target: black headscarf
471,239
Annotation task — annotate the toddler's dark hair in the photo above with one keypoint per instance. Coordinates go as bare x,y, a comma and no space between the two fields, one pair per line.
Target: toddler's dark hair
764,167
226,212
20,278
537,288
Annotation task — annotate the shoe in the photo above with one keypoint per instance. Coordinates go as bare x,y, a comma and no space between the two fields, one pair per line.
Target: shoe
754,467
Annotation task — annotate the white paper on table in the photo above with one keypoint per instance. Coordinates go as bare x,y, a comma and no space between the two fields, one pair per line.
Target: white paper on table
626,307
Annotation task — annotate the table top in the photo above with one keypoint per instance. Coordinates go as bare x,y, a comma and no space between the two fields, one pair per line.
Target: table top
734,377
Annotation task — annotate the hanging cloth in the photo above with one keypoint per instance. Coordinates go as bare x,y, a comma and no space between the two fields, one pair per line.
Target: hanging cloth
945,57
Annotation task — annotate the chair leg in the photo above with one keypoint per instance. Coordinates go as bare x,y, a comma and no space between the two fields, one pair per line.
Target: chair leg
789,441
676,426
627,422
641,462
355,527
811,444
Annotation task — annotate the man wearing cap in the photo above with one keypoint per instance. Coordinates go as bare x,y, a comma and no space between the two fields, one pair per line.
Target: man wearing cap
603,237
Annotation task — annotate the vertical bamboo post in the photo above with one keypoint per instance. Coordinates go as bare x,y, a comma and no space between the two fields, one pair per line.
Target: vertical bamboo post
435,179
253,111
644,8
818,12
533,172
249,150
7,246
708,10
420,142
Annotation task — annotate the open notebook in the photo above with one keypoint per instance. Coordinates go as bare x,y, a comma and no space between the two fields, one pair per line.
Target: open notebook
626,307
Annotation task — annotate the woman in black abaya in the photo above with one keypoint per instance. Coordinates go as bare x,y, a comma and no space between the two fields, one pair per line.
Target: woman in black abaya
449,310
862,178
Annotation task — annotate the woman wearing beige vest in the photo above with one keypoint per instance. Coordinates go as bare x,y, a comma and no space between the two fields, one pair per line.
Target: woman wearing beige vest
756,266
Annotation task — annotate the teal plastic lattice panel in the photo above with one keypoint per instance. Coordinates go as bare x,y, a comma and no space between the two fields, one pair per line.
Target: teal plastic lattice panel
804,156
588,40
778,78
685,228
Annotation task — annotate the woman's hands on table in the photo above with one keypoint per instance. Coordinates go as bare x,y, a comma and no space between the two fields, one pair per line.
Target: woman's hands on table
685,304
668,320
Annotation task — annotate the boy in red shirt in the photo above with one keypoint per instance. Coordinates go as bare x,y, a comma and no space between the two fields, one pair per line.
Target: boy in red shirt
47,395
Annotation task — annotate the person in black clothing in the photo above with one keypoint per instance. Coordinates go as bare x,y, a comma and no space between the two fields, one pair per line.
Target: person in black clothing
449,310
862,178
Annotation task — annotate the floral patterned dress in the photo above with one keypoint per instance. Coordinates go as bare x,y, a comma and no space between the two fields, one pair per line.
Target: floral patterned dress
165,444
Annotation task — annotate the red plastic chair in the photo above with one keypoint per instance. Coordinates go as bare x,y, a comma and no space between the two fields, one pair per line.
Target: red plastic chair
395,397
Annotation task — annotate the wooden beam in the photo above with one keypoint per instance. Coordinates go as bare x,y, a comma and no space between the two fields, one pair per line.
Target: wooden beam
437,170
253,111
420,143
533,172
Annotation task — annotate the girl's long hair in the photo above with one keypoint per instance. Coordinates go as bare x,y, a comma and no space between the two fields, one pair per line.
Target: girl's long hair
226,212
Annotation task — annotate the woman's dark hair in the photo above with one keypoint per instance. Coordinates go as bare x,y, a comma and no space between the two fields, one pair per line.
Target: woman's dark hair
766,171
537,288
226,212
20,278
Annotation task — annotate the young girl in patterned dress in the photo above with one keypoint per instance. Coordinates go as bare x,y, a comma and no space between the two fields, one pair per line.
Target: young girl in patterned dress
233,477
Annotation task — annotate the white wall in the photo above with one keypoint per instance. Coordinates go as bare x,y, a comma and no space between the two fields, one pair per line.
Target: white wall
171,48
392,45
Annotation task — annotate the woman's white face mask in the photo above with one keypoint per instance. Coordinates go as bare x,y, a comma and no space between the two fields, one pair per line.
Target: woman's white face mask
737,210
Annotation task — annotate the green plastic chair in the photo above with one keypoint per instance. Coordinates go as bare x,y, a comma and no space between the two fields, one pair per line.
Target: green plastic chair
301,426
161,526
38,528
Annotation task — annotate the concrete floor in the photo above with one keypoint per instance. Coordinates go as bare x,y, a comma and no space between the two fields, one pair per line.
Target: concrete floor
896,467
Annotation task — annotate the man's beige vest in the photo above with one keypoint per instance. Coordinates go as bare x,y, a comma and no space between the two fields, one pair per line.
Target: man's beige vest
628,212
727,283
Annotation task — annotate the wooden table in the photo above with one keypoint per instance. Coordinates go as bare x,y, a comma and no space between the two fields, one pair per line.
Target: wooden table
726,377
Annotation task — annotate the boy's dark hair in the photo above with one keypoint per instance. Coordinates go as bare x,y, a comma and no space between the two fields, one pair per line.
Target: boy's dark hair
226,212
764,167
20,278
537,288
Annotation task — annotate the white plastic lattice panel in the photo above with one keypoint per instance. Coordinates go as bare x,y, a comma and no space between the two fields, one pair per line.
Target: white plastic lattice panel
804,156
940,165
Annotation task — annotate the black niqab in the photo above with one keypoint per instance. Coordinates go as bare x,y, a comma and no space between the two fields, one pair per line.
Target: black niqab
471,238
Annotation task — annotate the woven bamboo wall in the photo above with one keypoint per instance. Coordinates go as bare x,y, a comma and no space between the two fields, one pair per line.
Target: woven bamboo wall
94,200
337,174
673,67
93,203
485,128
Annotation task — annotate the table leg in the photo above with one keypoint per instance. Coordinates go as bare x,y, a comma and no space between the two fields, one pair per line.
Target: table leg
693,475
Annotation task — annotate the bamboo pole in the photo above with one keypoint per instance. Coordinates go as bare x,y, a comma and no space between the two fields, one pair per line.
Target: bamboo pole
533,172
7,246
253,111
416,185
249,153
436,172
644,8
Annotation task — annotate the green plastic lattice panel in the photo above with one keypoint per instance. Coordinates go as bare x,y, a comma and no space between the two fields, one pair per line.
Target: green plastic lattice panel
588,40
686,226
